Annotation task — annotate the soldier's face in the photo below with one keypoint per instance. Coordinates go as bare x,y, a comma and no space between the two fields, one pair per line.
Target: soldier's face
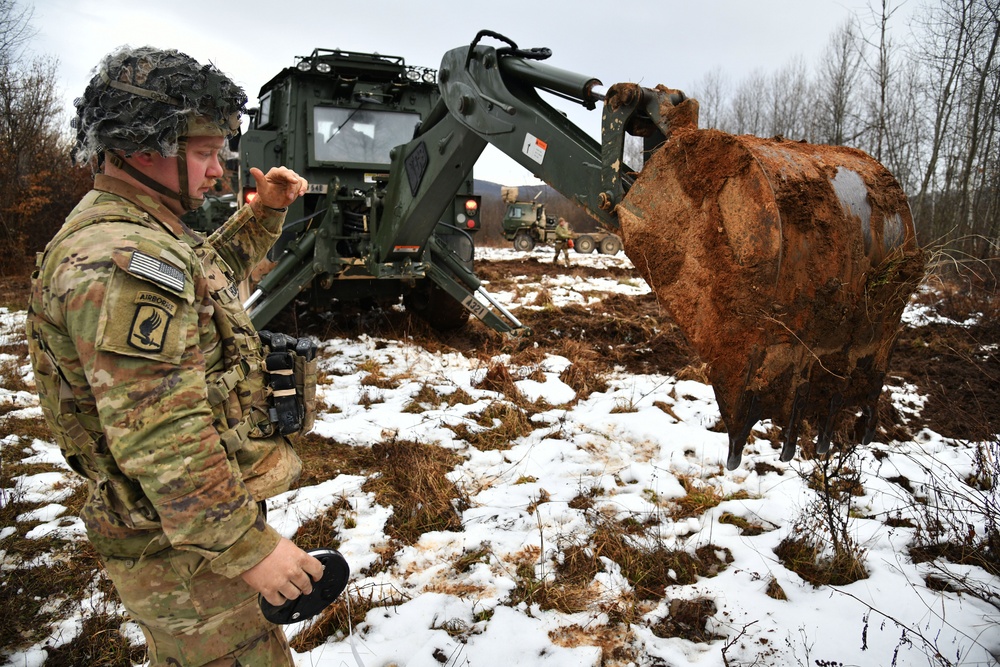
203,165
203,169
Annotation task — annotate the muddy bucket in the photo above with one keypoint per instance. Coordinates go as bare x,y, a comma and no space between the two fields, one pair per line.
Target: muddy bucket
787,267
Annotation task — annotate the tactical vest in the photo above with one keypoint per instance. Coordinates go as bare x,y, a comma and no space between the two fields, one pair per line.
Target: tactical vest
237,394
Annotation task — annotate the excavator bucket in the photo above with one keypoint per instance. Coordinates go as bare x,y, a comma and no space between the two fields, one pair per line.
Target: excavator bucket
787,267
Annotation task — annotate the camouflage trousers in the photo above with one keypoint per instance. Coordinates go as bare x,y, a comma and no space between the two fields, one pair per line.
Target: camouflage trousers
562,246
193,617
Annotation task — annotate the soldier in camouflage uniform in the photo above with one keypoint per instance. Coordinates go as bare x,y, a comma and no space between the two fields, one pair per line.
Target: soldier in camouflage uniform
149,371
564,240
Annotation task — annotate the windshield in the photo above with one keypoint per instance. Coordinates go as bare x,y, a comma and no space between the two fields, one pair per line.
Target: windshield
360,135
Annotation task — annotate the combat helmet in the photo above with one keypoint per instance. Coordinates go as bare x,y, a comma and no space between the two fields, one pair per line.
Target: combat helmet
147,99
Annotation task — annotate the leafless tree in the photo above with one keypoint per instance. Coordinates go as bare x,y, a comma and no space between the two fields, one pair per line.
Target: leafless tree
748,109
15,31
982,95
958,197
906,130
837,87
789,91
39,184
710,91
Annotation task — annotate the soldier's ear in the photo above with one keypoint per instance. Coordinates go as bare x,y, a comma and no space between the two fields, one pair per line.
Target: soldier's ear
144,159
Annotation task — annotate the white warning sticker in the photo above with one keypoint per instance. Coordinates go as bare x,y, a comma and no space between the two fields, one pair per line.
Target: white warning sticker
534,147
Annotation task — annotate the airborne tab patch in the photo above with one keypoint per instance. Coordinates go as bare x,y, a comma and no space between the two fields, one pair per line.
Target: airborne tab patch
156,270
152,317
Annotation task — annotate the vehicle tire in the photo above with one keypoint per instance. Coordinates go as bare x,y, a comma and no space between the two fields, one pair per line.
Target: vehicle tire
584,244
610,245
524,242
436,307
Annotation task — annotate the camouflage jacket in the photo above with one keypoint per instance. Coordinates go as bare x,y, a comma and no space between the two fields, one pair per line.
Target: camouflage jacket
149,373
563,233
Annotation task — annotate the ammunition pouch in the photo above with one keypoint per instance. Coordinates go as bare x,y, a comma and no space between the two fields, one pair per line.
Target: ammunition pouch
291,370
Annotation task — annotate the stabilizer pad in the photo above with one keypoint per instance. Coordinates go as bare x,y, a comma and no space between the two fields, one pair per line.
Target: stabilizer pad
336,572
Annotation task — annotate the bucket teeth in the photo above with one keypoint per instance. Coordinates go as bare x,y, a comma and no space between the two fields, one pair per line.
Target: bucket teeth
826,433
792,431
870,417
747,416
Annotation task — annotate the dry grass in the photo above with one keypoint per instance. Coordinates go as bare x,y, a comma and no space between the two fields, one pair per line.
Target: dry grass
10,367
500,425
614,640
411,478
586,374
35,594
321,532
425,399
375,376
838,483
806,556
572,590
498,378
746,527
698,499
100,642
687,620
343,616
774,590
325,458
651,567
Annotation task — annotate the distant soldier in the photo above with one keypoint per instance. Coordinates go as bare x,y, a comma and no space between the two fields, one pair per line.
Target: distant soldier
149,371
564,240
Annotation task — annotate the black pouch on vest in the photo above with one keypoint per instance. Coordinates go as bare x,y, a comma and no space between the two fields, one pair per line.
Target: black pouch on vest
291,368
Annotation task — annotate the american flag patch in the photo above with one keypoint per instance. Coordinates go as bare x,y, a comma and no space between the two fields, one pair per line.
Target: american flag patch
156,270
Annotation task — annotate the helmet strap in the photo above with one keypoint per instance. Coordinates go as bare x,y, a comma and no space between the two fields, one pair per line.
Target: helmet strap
188,202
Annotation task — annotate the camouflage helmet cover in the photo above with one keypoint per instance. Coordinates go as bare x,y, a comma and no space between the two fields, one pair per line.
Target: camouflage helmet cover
144,99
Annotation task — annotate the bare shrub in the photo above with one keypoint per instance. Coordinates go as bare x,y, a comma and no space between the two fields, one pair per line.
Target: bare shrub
820,547
959,521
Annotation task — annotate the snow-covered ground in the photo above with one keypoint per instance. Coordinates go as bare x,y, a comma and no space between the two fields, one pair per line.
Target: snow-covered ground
630,462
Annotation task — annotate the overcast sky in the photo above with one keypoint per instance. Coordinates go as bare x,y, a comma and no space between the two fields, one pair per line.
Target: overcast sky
673,42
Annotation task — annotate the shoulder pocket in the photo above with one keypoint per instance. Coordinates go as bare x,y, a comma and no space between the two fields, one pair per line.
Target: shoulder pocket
146,307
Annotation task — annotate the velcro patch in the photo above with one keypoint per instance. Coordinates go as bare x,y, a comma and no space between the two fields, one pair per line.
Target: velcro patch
153,313
157,270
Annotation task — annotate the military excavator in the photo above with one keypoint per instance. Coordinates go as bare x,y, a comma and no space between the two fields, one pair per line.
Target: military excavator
786,265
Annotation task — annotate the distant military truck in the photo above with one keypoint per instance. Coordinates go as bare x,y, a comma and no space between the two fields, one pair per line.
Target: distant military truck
526,224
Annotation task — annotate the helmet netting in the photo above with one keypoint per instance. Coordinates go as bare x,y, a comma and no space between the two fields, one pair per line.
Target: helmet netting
109,118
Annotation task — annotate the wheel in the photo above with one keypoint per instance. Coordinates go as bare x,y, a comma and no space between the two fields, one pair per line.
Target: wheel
436,306
524,242
610,245
584,244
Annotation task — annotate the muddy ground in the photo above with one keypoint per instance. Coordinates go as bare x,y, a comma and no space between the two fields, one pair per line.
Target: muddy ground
956,367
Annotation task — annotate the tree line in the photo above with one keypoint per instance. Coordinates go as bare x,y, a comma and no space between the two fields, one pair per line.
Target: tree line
927,106
38,183
923,99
